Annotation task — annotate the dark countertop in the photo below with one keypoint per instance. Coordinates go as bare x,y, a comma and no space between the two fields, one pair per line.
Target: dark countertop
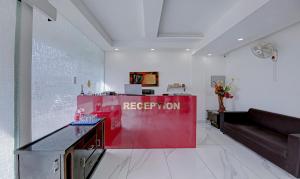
59,140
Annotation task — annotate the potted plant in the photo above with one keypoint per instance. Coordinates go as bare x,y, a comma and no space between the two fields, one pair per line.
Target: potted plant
223,91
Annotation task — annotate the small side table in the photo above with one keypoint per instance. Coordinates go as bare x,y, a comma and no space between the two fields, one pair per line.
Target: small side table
214,117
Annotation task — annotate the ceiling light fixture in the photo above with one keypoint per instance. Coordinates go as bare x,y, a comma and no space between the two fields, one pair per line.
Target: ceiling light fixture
209,54
152,49
116,49
240,39
187,49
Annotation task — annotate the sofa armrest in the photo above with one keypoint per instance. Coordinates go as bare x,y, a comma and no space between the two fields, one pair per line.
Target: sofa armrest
293,158
232,117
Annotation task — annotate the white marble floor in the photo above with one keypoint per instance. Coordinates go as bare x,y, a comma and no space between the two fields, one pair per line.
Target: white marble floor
217,156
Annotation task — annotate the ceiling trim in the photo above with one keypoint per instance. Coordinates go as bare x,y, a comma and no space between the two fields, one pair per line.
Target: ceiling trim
84,21
45,7
92,19
234,16
199,36
152,16
156,43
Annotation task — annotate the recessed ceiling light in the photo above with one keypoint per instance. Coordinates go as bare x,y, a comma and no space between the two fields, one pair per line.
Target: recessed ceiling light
116,49
209,54
187,49
152,49
240,39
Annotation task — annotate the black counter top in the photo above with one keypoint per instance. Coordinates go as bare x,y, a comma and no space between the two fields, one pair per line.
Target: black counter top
59,140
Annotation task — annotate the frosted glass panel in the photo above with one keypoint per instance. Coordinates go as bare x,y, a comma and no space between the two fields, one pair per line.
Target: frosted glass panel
7,43
60,54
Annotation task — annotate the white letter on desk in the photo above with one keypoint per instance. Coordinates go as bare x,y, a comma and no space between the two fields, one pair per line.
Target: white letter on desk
125,106
168,106
139,106
177,105
146,105
133,105
152,105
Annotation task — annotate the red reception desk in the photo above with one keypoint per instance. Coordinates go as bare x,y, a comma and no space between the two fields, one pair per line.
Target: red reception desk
145,121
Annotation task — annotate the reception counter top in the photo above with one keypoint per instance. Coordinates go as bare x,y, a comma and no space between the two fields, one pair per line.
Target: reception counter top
145,121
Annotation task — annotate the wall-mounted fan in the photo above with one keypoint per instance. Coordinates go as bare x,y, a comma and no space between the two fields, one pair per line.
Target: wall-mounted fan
265,50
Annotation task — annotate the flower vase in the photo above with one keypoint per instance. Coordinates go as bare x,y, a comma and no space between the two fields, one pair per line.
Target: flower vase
221,103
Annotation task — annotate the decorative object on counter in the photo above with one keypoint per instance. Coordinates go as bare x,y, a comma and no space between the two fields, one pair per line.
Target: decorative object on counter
80,118
223,91
97,94
148,91
89,85
82,92
88,121
78,114
144,78
176,86
108,93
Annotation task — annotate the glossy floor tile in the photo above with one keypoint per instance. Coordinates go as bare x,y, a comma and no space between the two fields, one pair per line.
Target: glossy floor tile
217,156
150,162
185,163
114,164
223,164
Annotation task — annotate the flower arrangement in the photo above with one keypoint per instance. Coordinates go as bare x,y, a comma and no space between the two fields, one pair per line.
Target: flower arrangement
223,91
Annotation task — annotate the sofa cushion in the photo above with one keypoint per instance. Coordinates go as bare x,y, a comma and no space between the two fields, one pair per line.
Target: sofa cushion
268,140
277,122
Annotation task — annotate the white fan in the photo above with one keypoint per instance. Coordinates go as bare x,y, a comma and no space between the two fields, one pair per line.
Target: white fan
265,50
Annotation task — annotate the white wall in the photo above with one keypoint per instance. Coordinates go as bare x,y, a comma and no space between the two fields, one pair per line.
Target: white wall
203,67
255,84
7,44
173,66
60,52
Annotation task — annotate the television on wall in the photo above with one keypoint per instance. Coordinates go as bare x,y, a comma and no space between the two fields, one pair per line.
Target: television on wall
144,78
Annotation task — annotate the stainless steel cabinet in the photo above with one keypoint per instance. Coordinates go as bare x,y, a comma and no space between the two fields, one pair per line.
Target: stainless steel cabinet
71,152
48,167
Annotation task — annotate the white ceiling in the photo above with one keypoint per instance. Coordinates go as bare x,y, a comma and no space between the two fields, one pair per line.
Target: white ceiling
270,18
121,19
202,25
191,17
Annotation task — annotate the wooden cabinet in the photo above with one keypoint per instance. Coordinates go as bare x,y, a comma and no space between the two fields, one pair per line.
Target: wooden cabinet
88,151
214,117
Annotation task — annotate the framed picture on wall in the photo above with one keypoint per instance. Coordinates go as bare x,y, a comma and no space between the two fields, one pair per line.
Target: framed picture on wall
144,78
215,79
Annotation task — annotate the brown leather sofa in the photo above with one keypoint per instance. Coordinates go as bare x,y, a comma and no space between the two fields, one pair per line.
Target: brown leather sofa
274,136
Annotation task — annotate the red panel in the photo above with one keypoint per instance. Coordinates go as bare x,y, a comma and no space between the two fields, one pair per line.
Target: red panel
145,121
